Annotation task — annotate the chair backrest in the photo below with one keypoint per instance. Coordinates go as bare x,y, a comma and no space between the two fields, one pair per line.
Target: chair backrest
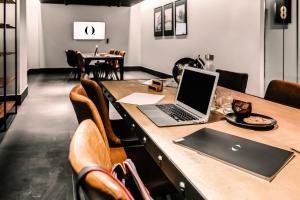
87,147
233,80
117,52
111,51
122,53
95,93
86,109
80,60
284,92
72,58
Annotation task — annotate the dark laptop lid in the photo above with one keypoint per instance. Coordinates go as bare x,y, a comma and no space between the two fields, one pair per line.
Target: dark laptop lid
260,159
196,90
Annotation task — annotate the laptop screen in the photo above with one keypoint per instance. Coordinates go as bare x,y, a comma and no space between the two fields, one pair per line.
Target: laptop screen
196,89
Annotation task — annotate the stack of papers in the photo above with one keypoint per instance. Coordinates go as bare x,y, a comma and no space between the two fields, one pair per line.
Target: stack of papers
141,98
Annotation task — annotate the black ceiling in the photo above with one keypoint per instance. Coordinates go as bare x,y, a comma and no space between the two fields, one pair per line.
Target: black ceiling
95,2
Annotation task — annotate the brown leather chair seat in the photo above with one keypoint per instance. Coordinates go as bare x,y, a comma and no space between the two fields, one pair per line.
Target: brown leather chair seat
233,80
284,92
88,148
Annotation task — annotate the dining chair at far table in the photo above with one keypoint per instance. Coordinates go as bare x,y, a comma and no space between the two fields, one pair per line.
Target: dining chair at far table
114,66
72,61
120,130
233,80
284,92
111,51
86,68
88,149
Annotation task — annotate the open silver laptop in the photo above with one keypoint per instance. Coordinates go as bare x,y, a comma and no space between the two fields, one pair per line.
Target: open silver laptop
193,100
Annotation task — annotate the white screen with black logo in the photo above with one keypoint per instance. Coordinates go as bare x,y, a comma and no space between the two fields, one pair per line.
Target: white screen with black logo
89,30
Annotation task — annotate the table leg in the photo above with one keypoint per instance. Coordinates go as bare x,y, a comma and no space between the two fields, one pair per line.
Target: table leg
122,69
86,68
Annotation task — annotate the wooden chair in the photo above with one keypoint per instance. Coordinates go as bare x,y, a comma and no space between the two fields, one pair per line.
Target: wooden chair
117,64
73,62
88,148
87,69
86,109
114,66
284,92
95,93
81,62
233,80
111,51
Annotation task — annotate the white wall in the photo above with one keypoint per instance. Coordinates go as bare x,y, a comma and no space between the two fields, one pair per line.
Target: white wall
33,33
232,31
22,47
55,32
134,57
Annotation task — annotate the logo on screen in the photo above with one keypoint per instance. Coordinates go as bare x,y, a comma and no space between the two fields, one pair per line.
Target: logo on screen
90,30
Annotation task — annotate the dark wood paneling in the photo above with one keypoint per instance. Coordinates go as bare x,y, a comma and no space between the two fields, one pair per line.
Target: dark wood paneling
125,3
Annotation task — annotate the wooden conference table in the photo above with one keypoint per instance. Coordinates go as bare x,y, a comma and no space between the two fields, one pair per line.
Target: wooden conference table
199,176
88,57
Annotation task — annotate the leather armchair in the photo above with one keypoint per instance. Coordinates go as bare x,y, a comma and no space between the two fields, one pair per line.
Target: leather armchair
85,109
284,92
95,93
88,147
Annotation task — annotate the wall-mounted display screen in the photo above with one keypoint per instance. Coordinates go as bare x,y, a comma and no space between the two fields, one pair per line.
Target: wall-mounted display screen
89,30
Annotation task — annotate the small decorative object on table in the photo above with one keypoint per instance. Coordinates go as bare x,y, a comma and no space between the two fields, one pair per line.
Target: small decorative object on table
182,63
241,109
244,117
209,62
157,85
96,50
103,54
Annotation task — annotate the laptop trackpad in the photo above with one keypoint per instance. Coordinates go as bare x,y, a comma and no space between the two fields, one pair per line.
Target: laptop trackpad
160,118
157,116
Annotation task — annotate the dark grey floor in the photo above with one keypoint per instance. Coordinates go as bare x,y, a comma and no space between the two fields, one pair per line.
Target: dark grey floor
34,151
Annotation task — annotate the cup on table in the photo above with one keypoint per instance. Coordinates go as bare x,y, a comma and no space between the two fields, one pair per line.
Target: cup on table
227,100
223,100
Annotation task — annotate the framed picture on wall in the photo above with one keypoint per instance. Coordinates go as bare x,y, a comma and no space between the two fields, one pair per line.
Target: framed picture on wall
158,28
168,20
181,17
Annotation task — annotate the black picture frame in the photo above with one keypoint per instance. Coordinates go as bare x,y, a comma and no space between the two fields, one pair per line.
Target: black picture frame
169,19
181,24
158,22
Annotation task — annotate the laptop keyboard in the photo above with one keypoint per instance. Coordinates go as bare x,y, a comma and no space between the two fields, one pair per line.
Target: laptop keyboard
176,113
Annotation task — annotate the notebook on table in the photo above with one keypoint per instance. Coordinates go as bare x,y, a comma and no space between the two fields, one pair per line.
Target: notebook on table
193,100
259,159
